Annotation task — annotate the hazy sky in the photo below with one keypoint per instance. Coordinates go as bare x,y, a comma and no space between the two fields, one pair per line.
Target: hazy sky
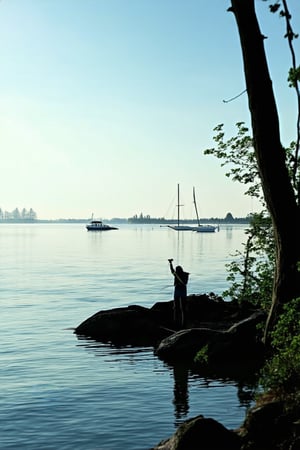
106,105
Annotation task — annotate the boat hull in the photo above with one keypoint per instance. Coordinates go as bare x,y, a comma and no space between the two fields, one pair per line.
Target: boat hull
98,225
91,228
206,229
181,227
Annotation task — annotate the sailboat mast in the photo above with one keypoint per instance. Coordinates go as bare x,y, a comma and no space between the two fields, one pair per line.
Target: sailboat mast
196,209
178,205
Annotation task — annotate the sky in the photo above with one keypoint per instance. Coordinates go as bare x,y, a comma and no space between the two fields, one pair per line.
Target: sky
107,105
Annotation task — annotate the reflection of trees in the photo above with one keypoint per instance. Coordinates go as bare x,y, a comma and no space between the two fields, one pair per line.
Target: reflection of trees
181,395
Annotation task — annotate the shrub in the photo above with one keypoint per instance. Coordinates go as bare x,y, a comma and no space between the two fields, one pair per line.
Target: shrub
281,373
202,356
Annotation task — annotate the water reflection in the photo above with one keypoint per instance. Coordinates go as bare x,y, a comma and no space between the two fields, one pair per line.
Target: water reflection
245,393
188,383
184,378
181,393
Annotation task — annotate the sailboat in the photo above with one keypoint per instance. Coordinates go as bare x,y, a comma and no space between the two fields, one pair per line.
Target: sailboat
202,228
179,227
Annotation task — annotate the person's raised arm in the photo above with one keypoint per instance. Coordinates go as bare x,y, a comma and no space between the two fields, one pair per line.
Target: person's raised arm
171,265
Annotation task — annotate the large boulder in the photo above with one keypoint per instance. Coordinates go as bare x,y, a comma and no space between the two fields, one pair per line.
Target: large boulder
201,433
270,425
239,342
132,325
184,344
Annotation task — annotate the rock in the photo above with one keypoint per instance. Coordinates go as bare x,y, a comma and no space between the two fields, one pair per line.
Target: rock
248,325
201,433
138,325
133,325
230,333
270,426
184,344
267,426
237,343
242,341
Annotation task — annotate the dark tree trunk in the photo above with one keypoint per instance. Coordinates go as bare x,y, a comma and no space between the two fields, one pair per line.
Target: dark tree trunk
276,183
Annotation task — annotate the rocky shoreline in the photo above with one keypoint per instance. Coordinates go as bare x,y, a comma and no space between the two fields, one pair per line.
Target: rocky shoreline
230,335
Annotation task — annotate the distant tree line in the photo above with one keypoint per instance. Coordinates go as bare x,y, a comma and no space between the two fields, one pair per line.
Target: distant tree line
141,218
145,219
16,215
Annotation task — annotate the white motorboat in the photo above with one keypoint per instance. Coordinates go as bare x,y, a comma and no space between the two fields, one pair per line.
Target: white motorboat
98,225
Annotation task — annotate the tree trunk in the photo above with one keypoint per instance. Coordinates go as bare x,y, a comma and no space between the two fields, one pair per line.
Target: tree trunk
270,155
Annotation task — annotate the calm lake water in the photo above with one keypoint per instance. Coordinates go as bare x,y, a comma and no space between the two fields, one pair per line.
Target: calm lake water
64,393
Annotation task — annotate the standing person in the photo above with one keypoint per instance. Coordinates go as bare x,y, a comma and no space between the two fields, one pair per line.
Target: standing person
180,293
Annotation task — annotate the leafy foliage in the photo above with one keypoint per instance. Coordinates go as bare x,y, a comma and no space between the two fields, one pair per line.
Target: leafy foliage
238,154
202,356
281,374
281,6
294,76
251,273
291,159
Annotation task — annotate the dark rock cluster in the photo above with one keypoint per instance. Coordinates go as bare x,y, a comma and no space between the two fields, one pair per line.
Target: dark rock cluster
267,427
231,339
138,325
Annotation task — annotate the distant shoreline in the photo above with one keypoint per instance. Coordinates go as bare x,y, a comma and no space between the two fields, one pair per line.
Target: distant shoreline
159,221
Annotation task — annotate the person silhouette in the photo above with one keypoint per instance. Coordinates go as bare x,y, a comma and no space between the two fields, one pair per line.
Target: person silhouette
180,293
